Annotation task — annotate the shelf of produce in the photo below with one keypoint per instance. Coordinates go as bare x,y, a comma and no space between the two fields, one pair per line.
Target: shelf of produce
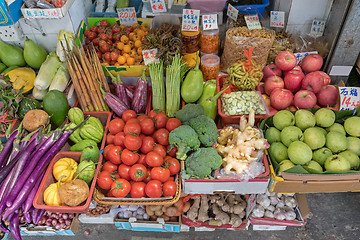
49,179
143,225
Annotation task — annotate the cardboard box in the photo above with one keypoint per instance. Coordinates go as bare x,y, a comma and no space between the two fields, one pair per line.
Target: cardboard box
49,231
36,13
10,12
151,226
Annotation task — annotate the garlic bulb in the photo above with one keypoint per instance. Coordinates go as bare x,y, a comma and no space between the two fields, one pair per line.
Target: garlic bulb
279,214
290,202
268,214
290,215
280,204
274,200
270,208
258,211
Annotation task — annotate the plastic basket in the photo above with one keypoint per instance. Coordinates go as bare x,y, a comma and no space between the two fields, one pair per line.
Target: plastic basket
132,3
253,9
49,179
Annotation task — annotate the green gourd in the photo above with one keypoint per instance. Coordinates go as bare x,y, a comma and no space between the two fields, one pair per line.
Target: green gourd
11,55
9,69
210,105
192,87
209,91
34,54
2,67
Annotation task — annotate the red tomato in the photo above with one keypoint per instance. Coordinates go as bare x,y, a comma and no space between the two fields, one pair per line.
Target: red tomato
159,173
142,159
147,177
128,114
138,190
147,144
120,188
133,120
110,139
171,178
132,128
162,136
154,159
138,172
142,136
114,154
160,120
119,139
106,151
93,28
132,142
147,126
154,112
128,157
173,123
169,188
104,23
153,189
172,151
123,171
173,165
109,166
142,117
167,157
109,194
116,125
160,149
104,180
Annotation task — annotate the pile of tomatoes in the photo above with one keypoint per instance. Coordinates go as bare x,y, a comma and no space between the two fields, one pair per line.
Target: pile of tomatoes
139,159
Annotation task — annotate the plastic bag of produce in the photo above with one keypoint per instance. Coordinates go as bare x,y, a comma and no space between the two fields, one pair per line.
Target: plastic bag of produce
241,38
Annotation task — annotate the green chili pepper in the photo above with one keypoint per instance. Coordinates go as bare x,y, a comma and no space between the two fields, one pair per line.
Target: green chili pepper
210,104
209,91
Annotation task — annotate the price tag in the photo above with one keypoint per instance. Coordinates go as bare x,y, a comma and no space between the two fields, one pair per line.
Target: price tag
149,56
190,20
317,27
232,12
252,21
209,22
277,19
300,56
349,98
127,16
158,6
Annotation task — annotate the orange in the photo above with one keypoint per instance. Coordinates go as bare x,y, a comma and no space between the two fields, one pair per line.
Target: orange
138,58
120,45
138,43
140,33
135,25
131,43
135,38
131,35
124,39
133,53
117,64
139,51
130,61
127,48
121,60
126,55
122,26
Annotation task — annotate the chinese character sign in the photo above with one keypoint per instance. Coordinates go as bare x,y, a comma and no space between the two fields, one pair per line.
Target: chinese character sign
127,16
317,28
209,22
158,6
349,98
149,56
300,56
252,21
190,20
232,12
277,19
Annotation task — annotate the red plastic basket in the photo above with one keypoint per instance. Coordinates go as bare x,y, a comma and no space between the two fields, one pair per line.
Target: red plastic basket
49,179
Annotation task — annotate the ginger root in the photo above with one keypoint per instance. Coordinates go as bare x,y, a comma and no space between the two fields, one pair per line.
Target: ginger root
204,209
235,220
194,209
220,216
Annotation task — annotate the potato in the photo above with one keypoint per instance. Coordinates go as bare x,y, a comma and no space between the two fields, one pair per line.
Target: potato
35,118
74,192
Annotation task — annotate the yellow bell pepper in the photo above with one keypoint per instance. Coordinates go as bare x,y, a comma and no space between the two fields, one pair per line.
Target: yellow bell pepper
64,169
51,195
22,78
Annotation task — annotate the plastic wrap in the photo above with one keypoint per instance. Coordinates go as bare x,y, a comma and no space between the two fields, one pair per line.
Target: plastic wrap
241,102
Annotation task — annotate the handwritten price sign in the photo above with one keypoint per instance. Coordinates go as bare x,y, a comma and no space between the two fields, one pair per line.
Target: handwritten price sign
317,28
127,16
209,22
158,6
252,21
300,56
232,12
149,56
190,20
277,19
349,98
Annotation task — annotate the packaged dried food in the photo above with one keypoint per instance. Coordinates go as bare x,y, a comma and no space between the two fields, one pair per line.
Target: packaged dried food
191,41
210,66
241,102
209,41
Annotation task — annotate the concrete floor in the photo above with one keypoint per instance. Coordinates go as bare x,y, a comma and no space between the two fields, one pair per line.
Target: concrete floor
336,216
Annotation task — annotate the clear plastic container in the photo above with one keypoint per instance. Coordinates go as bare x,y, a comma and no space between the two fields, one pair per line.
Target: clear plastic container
209,41
203,54
191,41
210,66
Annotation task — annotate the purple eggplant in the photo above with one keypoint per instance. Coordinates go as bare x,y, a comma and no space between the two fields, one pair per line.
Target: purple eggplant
40,215
5,153
129,92
120,90
27,216
14,226
139,100
26,206
115,103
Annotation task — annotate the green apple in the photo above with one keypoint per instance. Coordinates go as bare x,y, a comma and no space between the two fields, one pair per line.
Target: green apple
352,126
278,151
336,127
337,163
304,119
336,142
353,144
321,155
290,134
272,135
324,117
285,165
299,153
283,119
352,158
314,138
314,165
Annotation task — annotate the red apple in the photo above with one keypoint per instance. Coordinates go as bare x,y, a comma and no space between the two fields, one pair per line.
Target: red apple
327,96
325,77
272,111
281,98
304,99
291,108
313,81
273,82
261,87
297,67
285,60
271,70
293,80
311,63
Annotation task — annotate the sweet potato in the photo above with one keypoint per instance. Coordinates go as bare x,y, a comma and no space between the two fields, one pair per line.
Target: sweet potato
35,118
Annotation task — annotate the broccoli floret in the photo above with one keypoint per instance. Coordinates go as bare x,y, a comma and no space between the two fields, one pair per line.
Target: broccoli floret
188,112
206,129
201,163
185,139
